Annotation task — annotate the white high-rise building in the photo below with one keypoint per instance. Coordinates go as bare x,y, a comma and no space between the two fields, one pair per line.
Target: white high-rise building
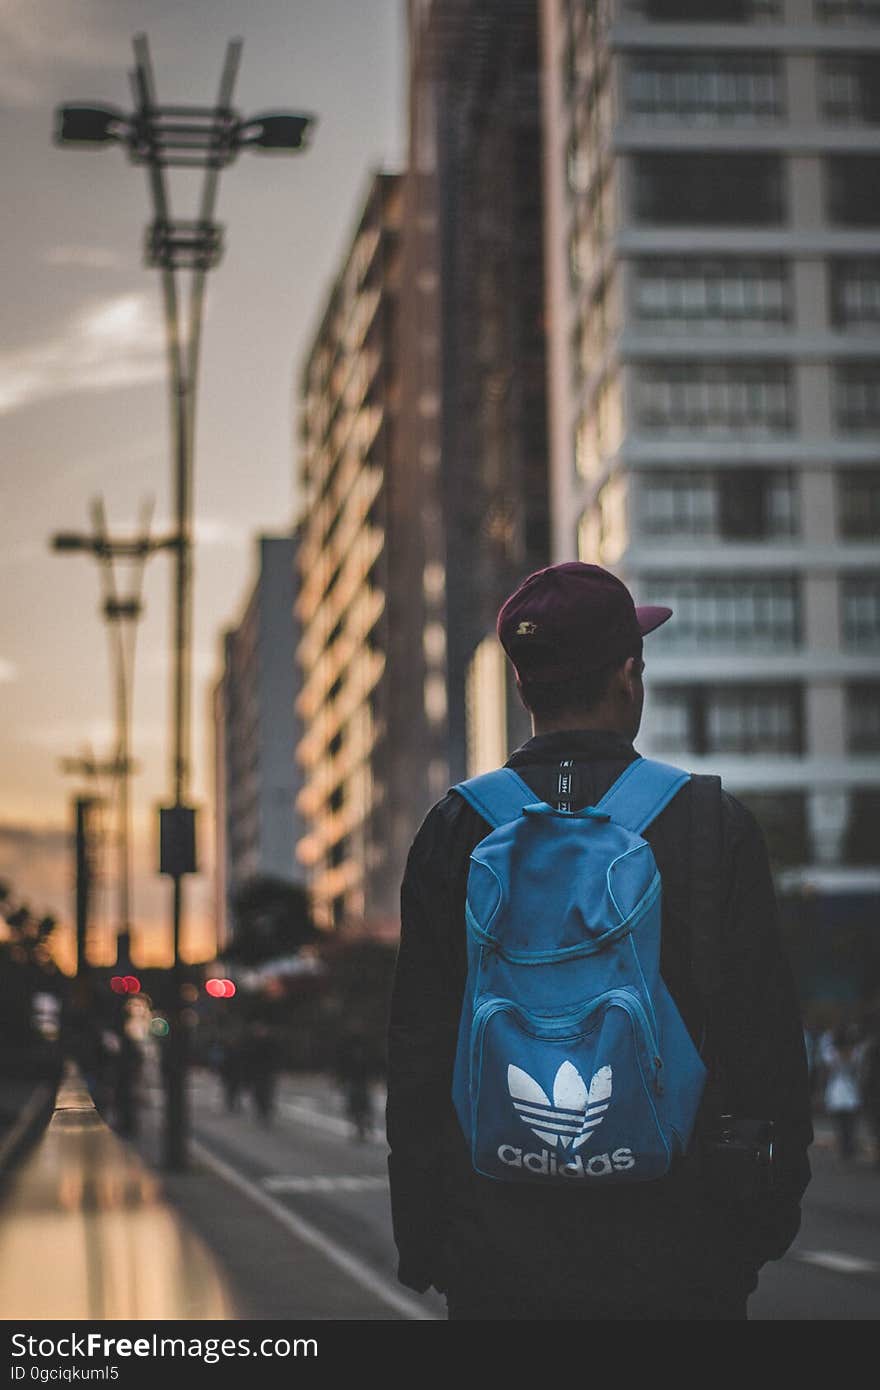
712,179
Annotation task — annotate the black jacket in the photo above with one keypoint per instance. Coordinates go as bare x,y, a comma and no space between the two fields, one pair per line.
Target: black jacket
463,1232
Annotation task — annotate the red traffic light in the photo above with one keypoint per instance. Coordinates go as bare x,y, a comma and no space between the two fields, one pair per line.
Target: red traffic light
220,989
125,984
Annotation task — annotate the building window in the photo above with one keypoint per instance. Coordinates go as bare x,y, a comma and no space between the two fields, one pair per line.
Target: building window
739,719
580,163
603,530
589,536
746,720
857,396
720,397
738,190
594,218
586,23
855,294
600,429
669,710
858,503
593,121
704,89
700,12
860,603
754,504
860,845
435,698
851,88
852,184
486,708
736,504
863,717
678,504
848,11
711,294
727,612
597,321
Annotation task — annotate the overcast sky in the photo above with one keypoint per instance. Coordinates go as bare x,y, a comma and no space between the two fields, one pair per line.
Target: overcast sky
83,383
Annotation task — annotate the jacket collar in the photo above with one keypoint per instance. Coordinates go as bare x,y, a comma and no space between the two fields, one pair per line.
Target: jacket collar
573,743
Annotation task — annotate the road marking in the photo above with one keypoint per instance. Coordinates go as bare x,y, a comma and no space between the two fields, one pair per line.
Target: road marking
281,1183
839,1262
334,1124
356,1268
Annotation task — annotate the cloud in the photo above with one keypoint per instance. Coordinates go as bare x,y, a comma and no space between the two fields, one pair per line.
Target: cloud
8,672
110,344
38,37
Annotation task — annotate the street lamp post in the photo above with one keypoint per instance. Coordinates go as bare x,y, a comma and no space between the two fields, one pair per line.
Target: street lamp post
207,138
121,613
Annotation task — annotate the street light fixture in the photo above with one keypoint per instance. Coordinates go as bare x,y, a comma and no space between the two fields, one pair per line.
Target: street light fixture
275,131
130,548
88,125
208,138
182,136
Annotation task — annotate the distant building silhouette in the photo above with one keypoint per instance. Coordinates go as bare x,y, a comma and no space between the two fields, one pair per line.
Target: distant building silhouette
255,733
424,458
473,361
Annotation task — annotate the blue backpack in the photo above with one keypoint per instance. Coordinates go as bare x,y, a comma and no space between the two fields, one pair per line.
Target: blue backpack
573,1062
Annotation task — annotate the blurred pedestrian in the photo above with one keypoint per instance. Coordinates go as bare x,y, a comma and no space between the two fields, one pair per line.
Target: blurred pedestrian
259,1065
811,1049
128,1066
230,1071
870,1085
842,1097
354,1070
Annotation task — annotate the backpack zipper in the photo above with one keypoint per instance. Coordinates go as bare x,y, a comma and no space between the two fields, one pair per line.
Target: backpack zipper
587,947
553,1026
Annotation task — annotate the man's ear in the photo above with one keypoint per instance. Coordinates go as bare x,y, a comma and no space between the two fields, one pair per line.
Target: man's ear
628,675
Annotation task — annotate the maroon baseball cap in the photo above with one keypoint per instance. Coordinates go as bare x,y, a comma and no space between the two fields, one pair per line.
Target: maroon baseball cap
570,619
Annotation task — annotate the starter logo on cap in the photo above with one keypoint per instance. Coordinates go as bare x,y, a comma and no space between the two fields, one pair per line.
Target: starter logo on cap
526,629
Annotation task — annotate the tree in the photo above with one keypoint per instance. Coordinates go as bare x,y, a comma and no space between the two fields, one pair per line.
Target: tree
271,917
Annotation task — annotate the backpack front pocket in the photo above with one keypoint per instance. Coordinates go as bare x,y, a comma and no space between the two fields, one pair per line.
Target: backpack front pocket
547,1105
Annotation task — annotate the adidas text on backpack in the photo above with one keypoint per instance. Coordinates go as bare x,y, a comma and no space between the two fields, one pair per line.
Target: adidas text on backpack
573,1062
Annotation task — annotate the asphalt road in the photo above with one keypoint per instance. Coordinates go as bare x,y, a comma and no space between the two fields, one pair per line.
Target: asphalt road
298,1213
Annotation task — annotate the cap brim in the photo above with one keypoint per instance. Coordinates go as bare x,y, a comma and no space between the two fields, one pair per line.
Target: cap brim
651,617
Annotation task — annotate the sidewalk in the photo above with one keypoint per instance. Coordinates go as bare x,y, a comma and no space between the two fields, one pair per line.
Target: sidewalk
273,1273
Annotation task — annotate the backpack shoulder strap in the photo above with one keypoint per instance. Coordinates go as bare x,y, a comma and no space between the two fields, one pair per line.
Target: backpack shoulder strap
641,792
498,796
706,850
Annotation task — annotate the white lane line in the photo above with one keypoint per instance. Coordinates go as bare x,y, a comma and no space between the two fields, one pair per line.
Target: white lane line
310,1115
839,1262
341,1183
296,1110
357,1269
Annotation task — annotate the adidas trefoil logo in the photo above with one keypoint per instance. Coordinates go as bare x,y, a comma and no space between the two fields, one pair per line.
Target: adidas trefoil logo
574,1112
